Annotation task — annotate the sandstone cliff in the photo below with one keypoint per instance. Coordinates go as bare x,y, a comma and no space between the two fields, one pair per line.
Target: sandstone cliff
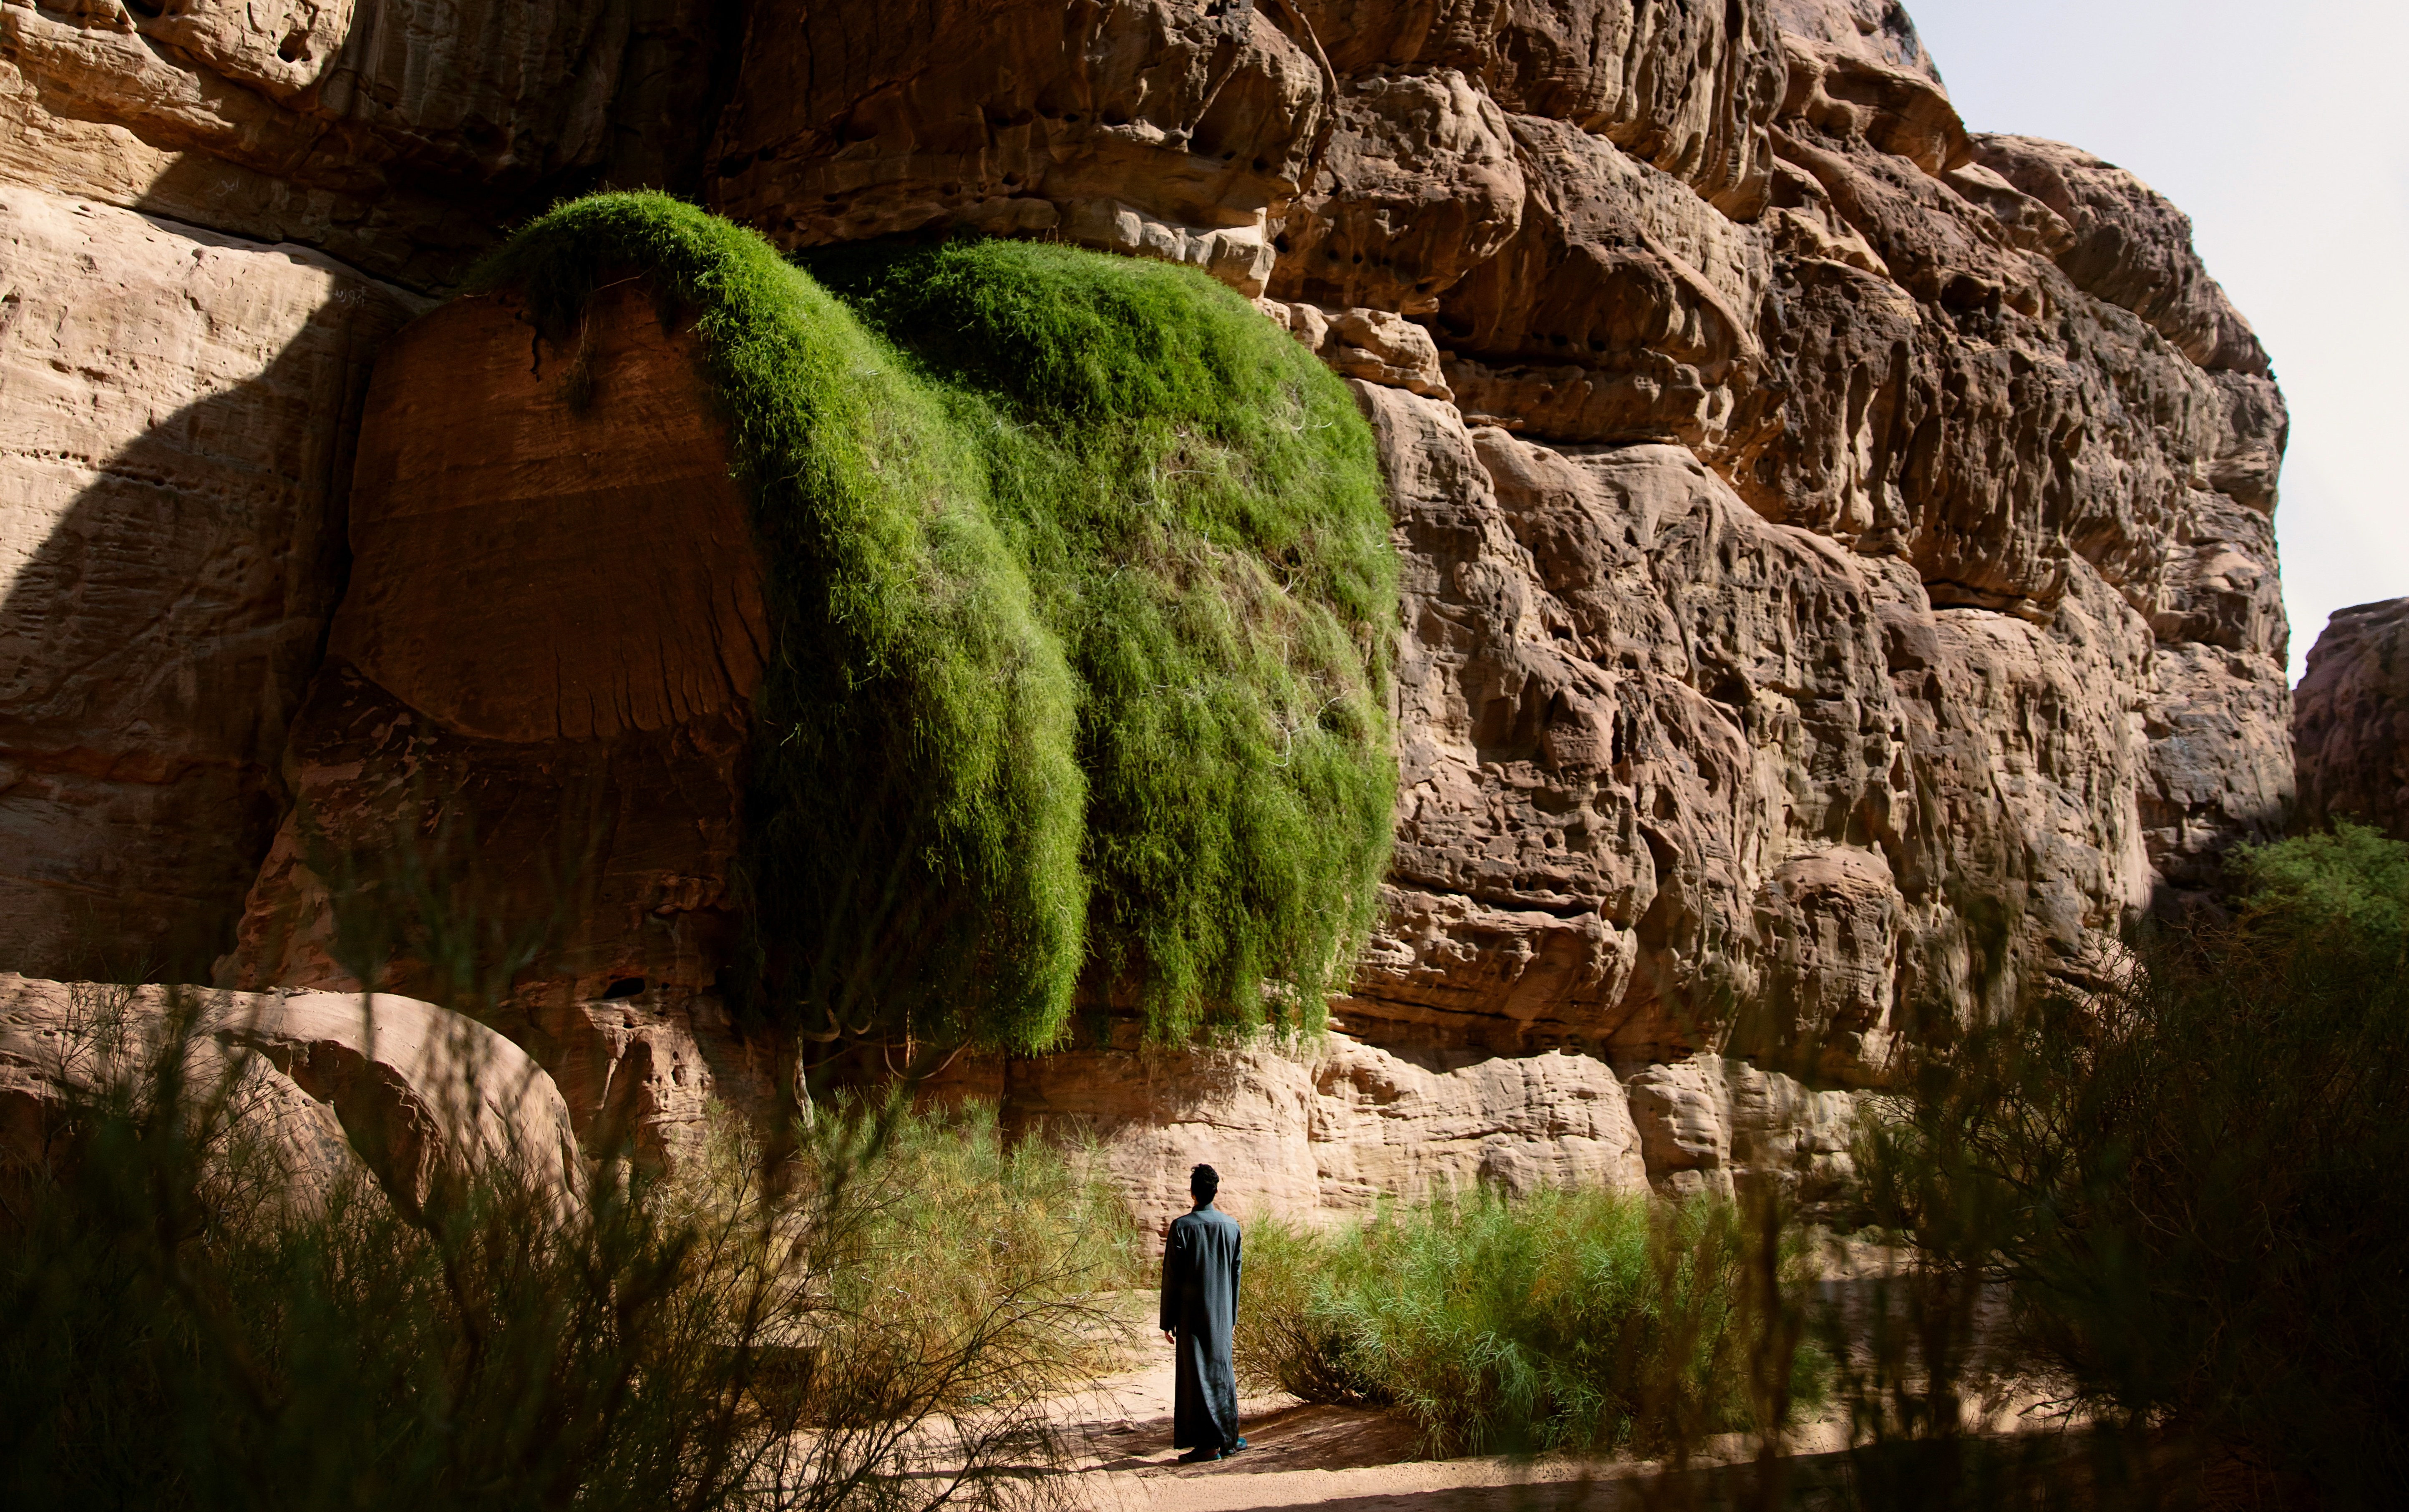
2351,728
1837,548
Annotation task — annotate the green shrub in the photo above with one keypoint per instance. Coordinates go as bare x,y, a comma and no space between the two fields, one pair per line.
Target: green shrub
1566,1320
178,1331
1088,597
2352,877
2187,1179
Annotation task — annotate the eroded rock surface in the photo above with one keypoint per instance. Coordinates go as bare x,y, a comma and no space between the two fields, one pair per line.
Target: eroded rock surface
1838,549
398,135
177,415
1321,1129
323,1082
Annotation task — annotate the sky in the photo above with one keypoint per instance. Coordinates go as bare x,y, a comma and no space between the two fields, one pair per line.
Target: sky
2282,130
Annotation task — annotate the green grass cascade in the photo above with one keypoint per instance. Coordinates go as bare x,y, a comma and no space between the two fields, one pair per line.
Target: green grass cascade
1082,603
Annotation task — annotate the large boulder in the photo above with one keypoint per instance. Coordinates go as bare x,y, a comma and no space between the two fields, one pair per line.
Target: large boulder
546,651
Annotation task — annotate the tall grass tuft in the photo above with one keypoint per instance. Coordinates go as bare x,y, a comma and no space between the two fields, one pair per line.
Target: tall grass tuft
1562,1322
867,1315
2186,1180
1198,506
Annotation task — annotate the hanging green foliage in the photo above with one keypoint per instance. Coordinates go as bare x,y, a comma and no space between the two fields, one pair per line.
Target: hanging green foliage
1082,595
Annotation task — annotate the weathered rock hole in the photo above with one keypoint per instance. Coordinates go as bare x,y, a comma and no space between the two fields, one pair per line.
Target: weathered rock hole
625,986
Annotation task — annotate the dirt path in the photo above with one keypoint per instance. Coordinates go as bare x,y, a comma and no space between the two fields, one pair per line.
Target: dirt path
1341,1459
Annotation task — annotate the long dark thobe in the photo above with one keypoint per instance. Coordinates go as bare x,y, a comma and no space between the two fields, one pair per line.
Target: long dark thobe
1200,1299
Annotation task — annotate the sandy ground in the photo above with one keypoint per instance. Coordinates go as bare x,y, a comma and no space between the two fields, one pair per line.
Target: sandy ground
1343,1460
1299,1455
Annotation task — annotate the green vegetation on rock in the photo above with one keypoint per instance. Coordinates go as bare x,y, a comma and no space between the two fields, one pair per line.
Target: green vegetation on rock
1199,509
1081,596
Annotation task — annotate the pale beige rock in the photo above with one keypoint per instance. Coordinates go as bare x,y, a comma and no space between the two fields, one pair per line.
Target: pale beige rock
2220,768
69,1047
175,448
1625,702
1419,184
462,85
1370,344
2351,724
1687,88
645,1074
402,135
1677,779
429,1100
418,241
1321,1129
2023,844
2131,247
1880,31
1623,309
1831,923
1709,1119
1383,1126
1845,89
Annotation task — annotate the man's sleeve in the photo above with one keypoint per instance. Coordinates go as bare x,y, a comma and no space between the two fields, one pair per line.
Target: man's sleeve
1237,1253
1175,1262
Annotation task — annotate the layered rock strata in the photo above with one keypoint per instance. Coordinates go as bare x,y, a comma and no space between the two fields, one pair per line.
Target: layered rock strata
1840,578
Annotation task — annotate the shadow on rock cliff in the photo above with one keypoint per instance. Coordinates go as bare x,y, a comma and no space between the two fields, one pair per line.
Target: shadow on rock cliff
156,641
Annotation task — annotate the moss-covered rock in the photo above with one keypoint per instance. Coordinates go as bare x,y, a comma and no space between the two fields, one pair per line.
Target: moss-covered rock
1082,596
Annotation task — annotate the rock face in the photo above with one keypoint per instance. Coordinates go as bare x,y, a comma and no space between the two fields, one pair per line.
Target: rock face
425,1099
2351,722
541,672
395,133
1838,549
546,655
1329,1128
177,415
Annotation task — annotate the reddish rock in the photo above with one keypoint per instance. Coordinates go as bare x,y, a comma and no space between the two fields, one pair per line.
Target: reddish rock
546,651
2351,721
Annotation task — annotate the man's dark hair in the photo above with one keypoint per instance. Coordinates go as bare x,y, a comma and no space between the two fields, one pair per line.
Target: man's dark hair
1202,1183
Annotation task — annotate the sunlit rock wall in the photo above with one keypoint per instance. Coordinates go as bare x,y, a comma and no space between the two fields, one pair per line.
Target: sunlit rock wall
1841,580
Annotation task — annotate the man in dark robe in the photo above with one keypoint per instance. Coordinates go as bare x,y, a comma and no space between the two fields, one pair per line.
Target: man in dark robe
1200,1304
